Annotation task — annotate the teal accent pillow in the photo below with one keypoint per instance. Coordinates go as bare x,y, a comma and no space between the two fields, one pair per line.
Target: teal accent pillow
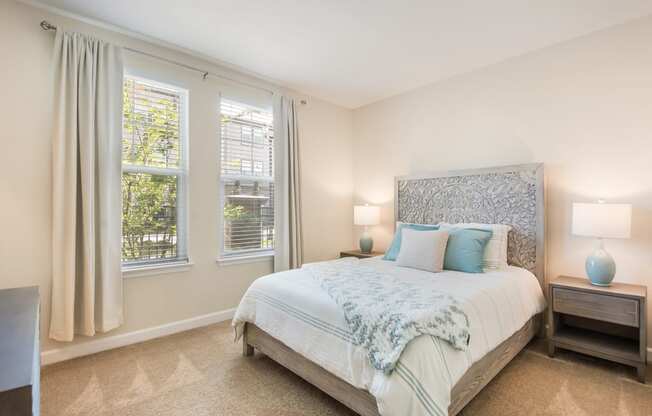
465,249
395,247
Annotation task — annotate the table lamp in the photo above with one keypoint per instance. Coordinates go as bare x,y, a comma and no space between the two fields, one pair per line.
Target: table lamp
366,215
602,221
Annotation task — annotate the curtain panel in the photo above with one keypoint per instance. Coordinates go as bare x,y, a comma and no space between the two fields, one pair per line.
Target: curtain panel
86,193
288,238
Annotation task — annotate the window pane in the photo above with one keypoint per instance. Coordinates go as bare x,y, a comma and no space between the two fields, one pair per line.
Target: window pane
247,168
151,118
247,140
149,217
248,215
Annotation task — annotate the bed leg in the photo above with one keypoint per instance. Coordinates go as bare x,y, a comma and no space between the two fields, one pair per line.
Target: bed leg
247,350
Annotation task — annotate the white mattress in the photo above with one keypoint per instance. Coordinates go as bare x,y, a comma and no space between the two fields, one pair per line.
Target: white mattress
293,308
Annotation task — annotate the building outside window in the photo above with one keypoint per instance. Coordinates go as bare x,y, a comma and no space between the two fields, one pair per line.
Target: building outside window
246,180
154,173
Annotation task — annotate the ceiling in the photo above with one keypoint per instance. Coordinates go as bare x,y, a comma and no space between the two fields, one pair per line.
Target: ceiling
354,52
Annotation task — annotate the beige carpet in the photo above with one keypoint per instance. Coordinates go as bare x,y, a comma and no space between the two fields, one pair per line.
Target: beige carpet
202,372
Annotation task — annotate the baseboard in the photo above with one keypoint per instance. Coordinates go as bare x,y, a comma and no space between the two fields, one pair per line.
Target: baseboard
121,340
106,343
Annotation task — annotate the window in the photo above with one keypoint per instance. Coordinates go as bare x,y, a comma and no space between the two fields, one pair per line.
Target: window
154,170
247,179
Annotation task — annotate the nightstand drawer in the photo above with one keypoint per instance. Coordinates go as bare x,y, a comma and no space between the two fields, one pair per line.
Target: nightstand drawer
612,309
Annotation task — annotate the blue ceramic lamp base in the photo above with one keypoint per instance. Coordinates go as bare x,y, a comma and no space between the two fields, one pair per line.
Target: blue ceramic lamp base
366,243
600,267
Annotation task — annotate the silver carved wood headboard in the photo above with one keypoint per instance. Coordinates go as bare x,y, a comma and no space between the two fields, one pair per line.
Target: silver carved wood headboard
512,195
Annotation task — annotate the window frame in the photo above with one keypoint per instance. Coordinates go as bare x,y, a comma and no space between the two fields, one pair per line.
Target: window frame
144,268
245,255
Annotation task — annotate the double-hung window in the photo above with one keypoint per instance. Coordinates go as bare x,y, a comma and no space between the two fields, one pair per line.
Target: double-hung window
154,171
246,180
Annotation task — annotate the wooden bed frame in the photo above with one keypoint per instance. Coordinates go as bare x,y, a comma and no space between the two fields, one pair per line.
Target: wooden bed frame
466,187
363,403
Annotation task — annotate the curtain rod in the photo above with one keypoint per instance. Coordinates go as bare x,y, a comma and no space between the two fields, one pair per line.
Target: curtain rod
45,25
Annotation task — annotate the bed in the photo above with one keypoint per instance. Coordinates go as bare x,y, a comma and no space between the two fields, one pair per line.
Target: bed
290,319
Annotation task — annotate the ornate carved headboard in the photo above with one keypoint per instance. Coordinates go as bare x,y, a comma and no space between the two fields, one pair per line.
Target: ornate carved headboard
512,195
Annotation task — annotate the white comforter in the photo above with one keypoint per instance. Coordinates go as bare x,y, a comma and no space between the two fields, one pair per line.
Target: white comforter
292,307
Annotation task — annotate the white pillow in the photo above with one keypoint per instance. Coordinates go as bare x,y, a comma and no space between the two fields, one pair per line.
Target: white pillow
424,250
495,253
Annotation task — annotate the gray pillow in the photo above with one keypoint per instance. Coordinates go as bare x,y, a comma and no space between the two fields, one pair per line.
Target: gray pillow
423,250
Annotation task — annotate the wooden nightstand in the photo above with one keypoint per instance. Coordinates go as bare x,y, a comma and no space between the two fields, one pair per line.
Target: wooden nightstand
359,254
605,322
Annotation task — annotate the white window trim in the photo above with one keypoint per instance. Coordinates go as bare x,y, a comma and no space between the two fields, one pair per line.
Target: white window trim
154,269
183,172
244,256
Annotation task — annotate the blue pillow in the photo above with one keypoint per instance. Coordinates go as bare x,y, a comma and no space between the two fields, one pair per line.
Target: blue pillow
395,247
465,249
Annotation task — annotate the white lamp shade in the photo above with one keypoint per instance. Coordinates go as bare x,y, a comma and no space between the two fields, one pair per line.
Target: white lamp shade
602,220
366,215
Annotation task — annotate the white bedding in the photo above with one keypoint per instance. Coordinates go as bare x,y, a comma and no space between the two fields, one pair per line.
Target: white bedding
292,307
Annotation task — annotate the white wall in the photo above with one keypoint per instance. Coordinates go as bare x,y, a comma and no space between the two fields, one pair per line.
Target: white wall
326,179
25,169
584,108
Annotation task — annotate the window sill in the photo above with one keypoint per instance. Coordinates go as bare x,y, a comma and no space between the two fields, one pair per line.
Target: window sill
155,269
251,258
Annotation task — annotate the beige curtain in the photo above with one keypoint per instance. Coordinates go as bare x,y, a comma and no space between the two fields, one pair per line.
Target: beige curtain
86,174
288,239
